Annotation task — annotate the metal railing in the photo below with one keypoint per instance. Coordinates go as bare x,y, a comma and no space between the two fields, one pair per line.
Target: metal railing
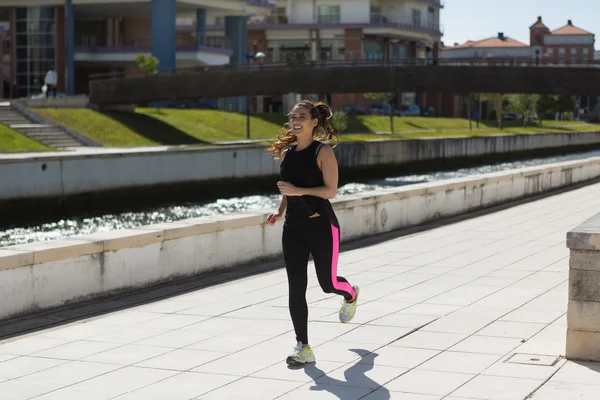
295,64
390,19
99,44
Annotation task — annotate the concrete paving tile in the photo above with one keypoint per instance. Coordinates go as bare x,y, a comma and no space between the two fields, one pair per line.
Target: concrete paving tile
184,386
181,359
429,340
305,373
320,391
6,357
345,352
21,366
401,357
361,375
30,345
76,350
403,320
418,381
498,388
374,334
567,391
385,394
71,393
123,380
127,335
430,309
252,388
228,343
127,354
519,330
19,390
69,373
579,373
452,361
512,370
487,345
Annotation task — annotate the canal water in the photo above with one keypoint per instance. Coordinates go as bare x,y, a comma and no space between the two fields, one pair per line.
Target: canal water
58,229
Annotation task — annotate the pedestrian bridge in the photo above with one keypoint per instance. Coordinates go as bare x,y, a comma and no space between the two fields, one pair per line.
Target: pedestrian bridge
346,77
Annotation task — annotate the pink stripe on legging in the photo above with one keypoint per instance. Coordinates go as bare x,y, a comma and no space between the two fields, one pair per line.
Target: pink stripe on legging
344,286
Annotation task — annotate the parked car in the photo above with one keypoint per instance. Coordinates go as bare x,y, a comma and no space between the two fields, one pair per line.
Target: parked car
383,109
428,112
511,116
354,110
411,111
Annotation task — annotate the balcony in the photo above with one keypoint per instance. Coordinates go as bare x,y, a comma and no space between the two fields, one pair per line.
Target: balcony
213,50
372,20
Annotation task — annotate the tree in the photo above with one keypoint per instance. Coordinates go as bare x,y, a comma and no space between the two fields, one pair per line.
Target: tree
565,103
386,98
339,120
147,64
497,101
469,101
545,105
524,104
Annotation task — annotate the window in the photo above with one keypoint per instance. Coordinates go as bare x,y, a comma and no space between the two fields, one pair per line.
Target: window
34,47
586,54
328,15
561,52
416,18
430,17
573,54
550,52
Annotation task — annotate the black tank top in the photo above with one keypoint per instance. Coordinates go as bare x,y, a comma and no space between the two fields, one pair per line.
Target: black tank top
301,169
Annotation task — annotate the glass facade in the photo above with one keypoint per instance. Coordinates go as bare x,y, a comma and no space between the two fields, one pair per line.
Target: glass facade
35,46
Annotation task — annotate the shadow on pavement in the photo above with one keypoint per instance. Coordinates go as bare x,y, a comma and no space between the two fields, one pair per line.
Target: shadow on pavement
355,379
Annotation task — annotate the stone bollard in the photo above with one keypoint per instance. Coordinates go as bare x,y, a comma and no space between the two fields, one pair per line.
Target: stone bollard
583,315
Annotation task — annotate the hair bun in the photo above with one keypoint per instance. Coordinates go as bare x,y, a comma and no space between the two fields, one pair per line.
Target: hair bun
324,110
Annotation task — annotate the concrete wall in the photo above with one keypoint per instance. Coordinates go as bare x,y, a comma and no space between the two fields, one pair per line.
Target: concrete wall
66,175
41,275
583,314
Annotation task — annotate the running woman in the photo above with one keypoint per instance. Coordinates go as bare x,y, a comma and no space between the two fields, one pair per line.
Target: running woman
309,178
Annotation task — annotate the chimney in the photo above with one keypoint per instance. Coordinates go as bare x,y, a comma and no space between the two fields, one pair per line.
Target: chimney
456,43
570,23
501,35
539,19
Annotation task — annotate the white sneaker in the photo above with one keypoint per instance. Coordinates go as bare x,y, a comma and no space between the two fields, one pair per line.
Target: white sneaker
301,355
349,309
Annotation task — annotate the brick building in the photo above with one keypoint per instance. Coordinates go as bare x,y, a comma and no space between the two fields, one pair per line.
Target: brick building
568,44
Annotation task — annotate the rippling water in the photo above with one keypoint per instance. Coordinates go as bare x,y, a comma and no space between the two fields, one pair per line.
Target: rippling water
110,222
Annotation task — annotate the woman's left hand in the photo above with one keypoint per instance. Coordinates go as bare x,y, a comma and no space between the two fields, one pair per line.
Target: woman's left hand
288,189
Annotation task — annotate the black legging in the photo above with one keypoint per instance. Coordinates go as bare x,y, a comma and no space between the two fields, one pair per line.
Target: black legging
321,239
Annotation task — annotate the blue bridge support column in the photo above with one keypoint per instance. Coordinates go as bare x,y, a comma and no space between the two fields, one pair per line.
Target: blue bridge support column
201,27
164,39
70,48
237,36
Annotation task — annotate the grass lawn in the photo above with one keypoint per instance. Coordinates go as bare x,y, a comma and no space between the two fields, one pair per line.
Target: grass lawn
12,141
148,126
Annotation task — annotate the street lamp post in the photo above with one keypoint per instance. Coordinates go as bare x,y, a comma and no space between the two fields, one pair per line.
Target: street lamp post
249,56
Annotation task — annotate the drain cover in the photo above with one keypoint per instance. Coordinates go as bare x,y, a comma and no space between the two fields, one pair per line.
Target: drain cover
533,359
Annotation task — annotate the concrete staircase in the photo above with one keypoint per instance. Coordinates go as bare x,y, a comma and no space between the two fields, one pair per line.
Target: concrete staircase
47,134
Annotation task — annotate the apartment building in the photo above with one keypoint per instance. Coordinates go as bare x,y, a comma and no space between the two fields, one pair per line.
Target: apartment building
299,31
84,37
567,44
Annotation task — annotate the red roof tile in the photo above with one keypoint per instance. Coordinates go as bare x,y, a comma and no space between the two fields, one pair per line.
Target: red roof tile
570,30
487,43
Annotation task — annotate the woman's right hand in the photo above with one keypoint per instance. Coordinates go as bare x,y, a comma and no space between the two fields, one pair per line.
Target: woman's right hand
273,218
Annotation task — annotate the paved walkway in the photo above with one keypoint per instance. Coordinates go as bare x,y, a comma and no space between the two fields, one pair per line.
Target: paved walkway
471,310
